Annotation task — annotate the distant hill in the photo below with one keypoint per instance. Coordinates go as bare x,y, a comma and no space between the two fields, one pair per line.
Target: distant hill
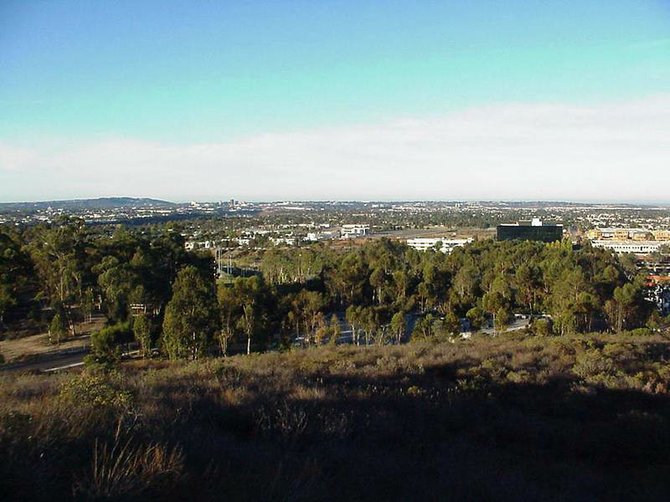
79,204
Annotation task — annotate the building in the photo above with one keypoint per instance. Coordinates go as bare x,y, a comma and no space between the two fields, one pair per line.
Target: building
533,231
445,245
630,246
661,235
621,234
352,231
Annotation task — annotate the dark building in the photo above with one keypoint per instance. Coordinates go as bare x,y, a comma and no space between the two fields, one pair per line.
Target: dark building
534,231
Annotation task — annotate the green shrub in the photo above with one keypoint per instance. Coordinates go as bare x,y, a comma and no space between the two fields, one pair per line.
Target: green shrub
97,391
542,327
640,332
105,343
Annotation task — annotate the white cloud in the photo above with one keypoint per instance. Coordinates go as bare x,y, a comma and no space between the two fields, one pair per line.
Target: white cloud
510,151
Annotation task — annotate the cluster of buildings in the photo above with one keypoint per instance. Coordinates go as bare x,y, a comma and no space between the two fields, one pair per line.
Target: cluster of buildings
352,231
284,235
624,234
629,240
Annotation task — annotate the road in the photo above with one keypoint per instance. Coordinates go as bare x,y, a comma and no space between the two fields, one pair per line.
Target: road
50,362
60,360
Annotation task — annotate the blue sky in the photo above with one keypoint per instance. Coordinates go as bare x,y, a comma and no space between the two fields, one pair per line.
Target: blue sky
264,84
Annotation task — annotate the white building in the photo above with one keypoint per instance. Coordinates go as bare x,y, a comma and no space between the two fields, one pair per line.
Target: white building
354,230
630,246
446,245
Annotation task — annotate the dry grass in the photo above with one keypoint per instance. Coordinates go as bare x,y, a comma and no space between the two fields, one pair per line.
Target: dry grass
507,417
123,470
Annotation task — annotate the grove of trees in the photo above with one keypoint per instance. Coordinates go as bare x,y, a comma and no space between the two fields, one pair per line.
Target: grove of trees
53,276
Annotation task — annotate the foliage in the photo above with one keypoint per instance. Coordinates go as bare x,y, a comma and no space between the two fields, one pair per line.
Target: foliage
191,317
105,344
75,269
142,333
508,407
57,328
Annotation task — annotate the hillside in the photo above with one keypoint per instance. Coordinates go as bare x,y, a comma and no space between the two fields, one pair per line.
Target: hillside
79,204
505,418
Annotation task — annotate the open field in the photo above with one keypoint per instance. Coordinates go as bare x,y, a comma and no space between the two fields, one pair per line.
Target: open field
505,418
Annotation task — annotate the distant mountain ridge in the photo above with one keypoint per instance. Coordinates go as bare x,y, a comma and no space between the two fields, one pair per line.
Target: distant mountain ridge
99,203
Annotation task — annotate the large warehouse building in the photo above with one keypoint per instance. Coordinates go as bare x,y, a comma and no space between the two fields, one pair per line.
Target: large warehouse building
532,231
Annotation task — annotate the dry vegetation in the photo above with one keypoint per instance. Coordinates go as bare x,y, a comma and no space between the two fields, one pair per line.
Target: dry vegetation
579,417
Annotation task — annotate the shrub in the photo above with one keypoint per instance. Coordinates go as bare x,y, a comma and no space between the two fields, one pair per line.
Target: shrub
95,391
542,327
640,332
105,348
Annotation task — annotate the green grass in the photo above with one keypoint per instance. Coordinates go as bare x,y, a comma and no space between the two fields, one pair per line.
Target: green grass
489,418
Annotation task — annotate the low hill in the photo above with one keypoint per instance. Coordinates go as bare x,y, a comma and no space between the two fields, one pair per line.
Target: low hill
79,204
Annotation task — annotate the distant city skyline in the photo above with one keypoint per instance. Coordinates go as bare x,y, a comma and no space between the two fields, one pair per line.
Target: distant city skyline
335,101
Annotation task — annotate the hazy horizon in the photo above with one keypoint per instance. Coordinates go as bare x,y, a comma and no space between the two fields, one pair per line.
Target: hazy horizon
397,101
659,203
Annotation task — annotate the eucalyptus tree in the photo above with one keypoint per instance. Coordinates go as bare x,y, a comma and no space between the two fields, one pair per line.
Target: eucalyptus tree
59,253
191,316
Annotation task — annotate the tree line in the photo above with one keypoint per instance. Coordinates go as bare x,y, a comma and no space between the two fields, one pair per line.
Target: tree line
151,289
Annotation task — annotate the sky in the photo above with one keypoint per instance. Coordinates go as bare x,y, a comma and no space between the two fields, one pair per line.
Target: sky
304,100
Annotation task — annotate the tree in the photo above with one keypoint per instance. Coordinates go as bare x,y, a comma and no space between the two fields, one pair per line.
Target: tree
622,308
477,317
117,280
502,318
87,304
320,328
527,279
354,317
105,344
142,333
191,316
494,303
451,324
335,330
398,326
18,285
255,305
542,327
59,255
248,322
305,308
369,318
228,309
424,329
57,328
